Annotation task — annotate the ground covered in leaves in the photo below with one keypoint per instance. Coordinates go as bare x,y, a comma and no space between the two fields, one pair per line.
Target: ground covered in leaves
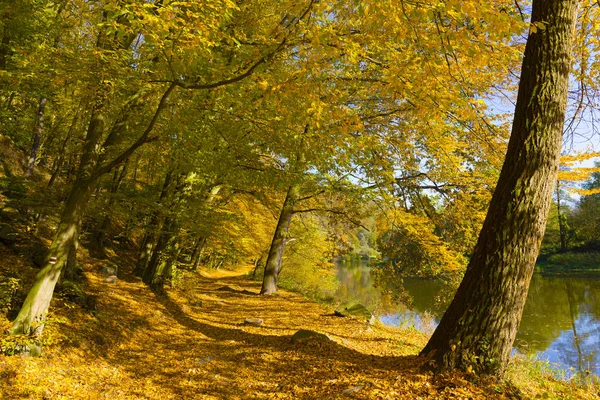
192,343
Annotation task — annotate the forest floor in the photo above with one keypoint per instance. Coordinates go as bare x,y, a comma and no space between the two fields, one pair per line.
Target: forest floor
191,343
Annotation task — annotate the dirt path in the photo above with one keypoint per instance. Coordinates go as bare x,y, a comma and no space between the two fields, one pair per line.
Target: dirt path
191,343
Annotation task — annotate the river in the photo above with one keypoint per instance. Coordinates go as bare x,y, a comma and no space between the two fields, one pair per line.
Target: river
560,324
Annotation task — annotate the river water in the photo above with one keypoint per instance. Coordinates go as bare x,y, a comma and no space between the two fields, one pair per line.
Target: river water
560,323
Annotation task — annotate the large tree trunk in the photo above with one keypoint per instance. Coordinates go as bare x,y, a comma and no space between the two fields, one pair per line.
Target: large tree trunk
70,270
478,329
34,309
273,264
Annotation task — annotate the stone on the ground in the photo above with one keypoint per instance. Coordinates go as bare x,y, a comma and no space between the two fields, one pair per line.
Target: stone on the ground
111,279
353,390
197,303
204,360
34,350
353,309
109,270
308,335
253,321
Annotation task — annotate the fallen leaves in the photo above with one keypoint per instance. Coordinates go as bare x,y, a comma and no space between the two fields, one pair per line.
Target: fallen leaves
160,347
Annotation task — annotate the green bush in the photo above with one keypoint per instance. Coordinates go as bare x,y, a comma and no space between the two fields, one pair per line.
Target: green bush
8,289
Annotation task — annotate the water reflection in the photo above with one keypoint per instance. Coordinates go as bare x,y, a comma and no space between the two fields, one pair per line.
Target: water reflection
560,323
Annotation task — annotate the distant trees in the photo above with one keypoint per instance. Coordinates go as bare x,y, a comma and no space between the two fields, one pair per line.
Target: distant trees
586,216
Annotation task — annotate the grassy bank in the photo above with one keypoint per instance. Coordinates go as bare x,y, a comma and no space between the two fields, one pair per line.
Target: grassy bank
570,262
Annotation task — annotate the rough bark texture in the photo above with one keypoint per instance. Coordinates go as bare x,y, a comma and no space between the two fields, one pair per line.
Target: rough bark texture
273,264
34,309
478,329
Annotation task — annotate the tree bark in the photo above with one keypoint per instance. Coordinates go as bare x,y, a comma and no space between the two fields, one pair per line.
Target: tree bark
34,309
37,134
70,268
273,264
477,331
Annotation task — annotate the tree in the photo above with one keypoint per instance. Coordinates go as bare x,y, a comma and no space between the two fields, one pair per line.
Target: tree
586,218
136,39
478,330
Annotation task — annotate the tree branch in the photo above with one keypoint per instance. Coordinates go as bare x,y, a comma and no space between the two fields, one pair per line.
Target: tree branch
101,170
332,211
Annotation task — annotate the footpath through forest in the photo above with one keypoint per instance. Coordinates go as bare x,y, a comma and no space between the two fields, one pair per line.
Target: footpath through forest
192,343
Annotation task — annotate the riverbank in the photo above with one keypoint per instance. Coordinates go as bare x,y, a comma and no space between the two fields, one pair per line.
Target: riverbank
569,263
192,343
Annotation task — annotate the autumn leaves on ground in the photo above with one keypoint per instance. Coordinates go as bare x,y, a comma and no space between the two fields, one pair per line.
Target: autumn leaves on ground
192,343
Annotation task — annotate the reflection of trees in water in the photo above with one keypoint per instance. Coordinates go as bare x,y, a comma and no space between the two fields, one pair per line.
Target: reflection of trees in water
386,294
573,313
357,283
545,316
561,316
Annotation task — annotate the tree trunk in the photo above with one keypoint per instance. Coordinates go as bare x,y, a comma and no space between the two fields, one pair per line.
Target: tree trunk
114,188
478,329
152,231
61,155
70,268
197,252
5,50
200,244
37,134
34,309
153,275
562,220
273,264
